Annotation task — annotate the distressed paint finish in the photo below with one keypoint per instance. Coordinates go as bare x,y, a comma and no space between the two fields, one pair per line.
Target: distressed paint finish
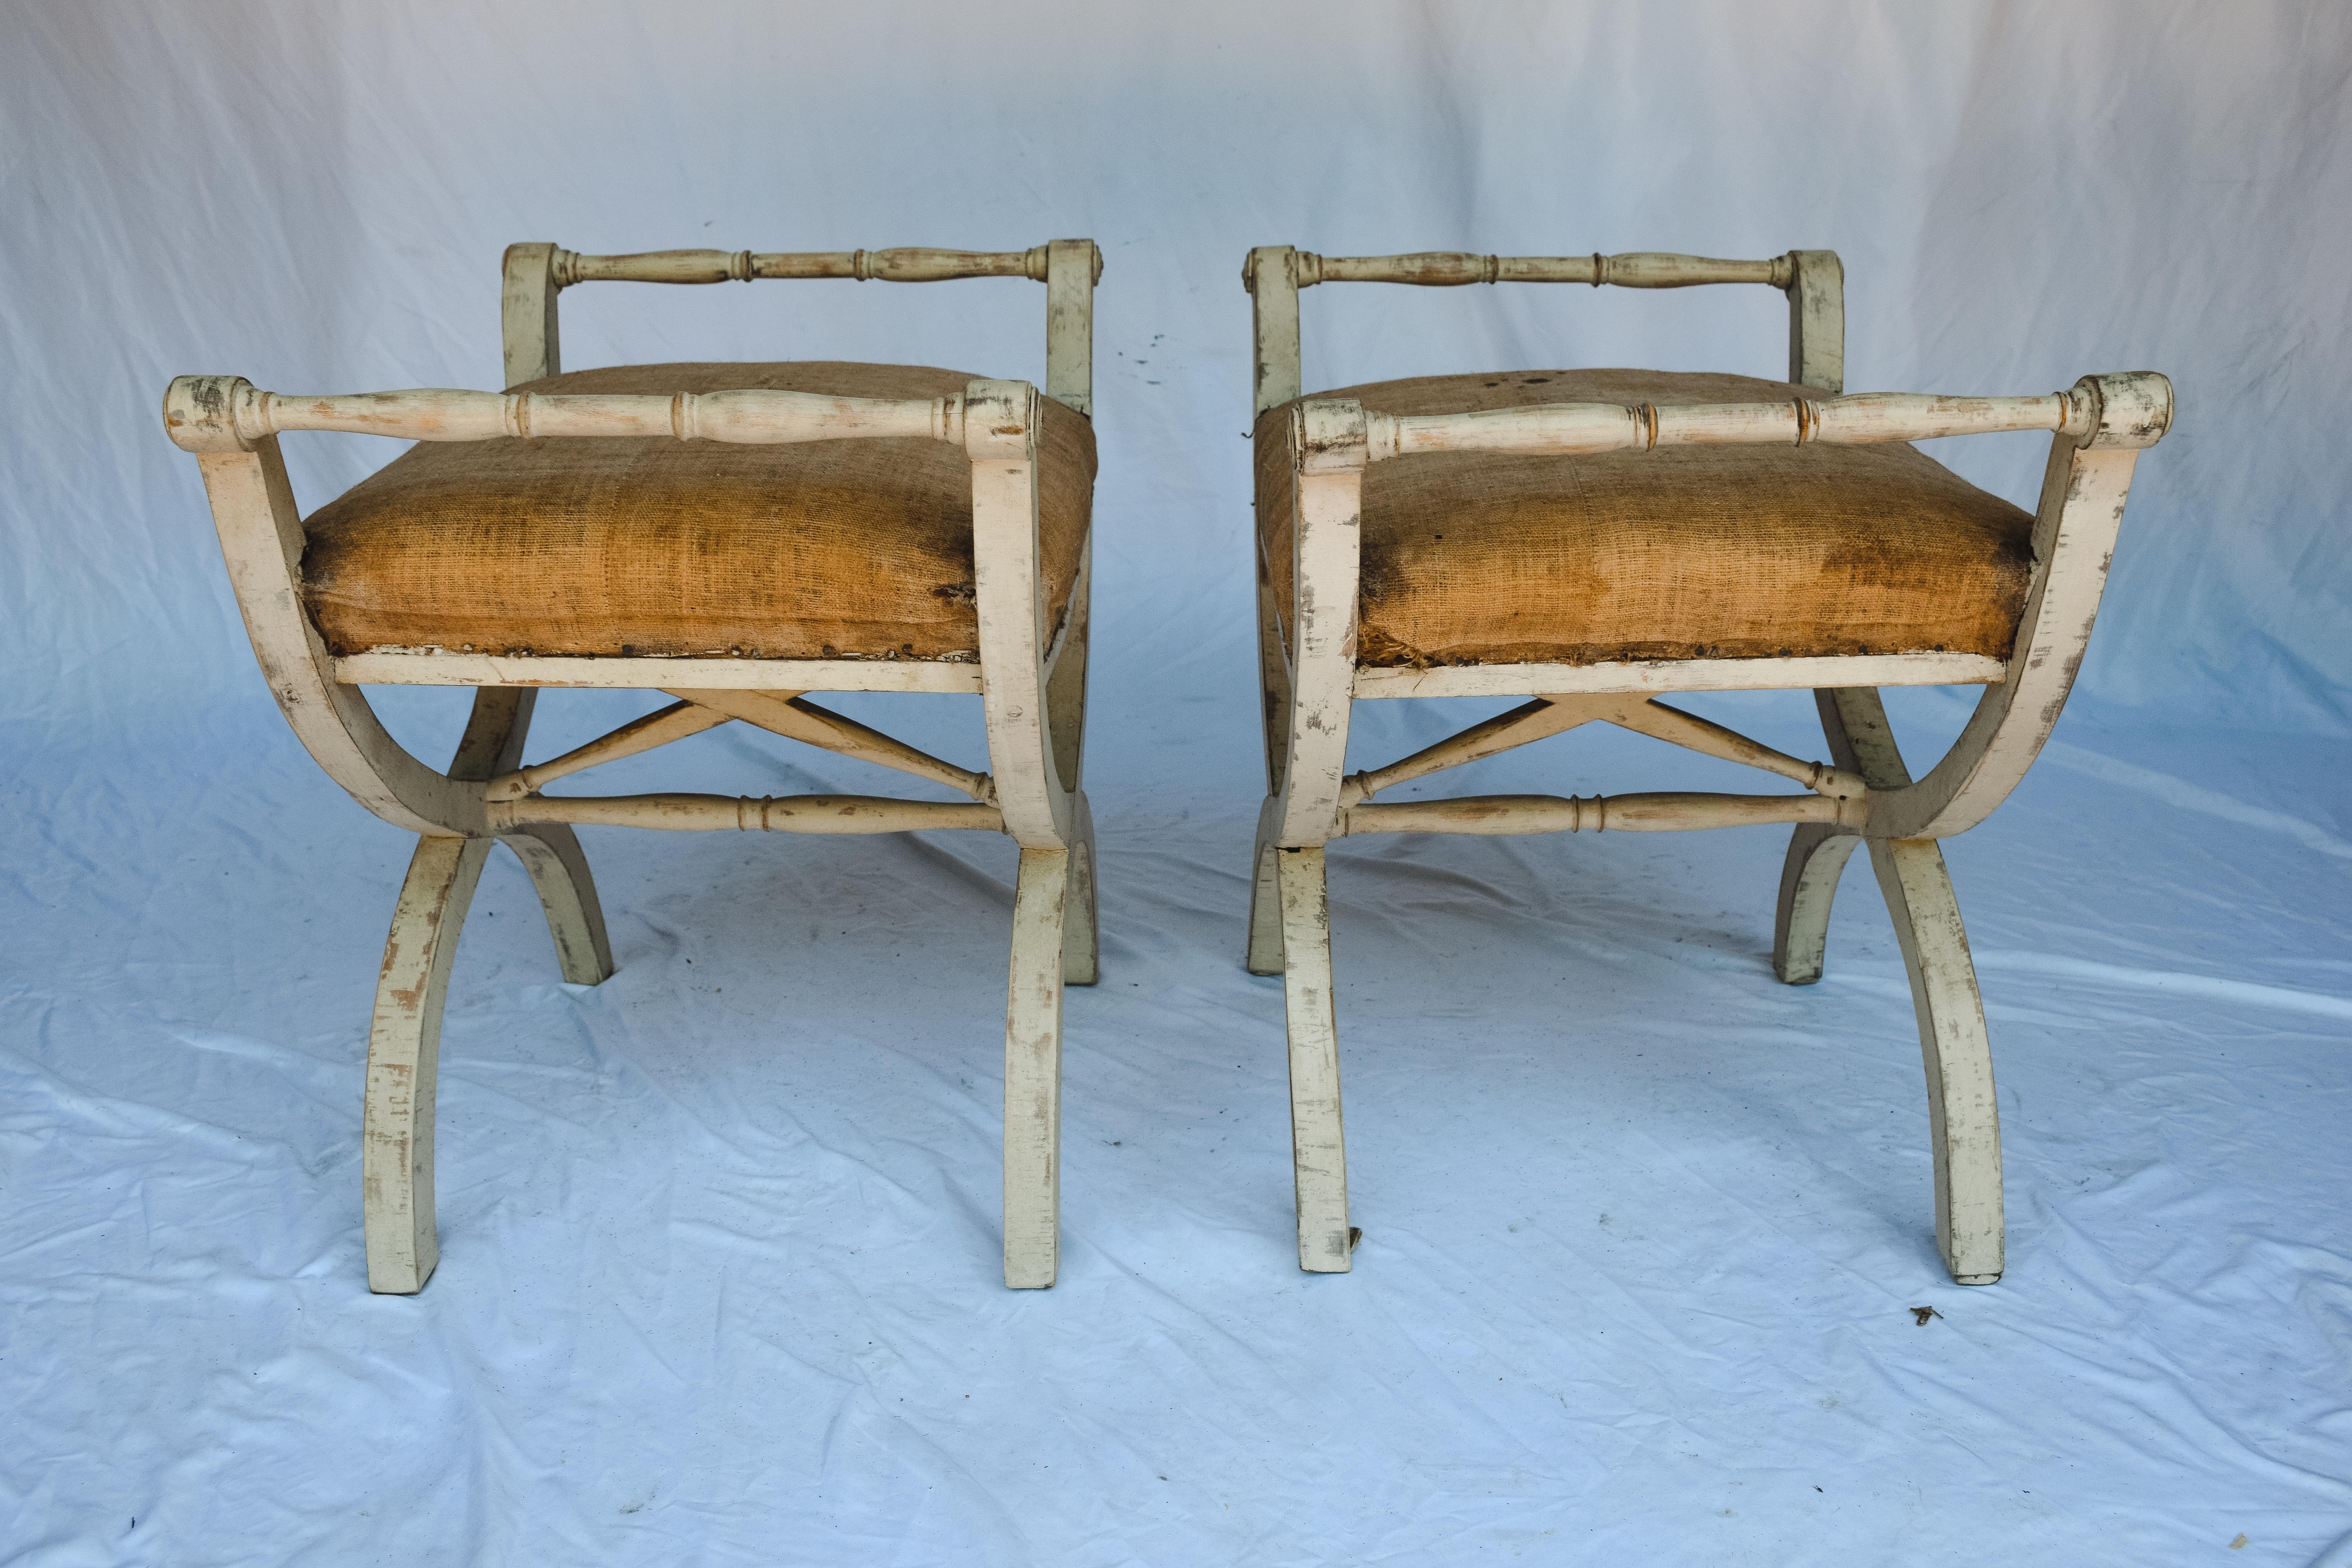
1817,852
2084,489
1689,675
1327,545
1033,694
404,1062
1963,1118
1073,267
1955,1048
1033,1072
787,713
1874,419
1816,287
1865,795
1318,1143
527,318
435,667
1658,812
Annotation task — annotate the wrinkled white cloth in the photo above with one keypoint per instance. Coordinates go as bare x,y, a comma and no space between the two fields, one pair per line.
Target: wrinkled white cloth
1646,1234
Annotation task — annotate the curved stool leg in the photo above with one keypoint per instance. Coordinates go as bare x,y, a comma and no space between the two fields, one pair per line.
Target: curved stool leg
404,1059
1265,955
1808,880
1033,1072
551,852
1318,1143
1964,1118
1081,929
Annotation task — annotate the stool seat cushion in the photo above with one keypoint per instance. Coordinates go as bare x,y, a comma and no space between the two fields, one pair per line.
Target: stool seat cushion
658,547
1683,553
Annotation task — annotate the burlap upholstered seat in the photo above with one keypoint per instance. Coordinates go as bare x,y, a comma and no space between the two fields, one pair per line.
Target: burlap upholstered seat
859,549
1685,553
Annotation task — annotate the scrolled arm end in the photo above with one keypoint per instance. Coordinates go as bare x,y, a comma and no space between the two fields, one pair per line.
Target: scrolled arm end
201,413
2133,408
1000,420
1331,436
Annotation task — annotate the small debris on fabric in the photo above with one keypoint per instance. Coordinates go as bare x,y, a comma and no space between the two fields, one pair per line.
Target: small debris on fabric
1924,1313
2239,1544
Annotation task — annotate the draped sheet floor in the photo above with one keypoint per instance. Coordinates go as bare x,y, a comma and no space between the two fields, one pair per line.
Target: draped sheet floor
1647,1236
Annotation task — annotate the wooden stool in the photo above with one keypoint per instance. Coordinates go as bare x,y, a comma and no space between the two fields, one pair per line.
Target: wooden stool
733,535
1588,539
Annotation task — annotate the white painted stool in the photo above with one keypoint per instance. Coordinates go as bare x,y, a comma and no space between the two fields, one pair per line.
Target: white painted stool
734,536
1593,539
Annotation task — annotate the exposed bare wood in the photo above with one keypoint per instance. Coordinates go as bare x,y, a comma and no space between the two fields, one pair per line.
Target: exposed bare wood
1687,674
1633,270
1032,1072
675,723
1319,1145
1664,812
748,814
787,713
436,667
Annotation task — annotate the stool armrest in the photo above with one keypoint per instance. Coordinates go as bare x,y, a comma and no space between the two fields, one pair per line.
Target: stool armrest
2130,409
211,413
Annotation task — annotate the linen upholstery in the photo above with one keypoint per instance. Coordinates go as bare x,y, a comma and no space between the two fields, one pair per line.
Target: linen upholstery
1682,552
659,547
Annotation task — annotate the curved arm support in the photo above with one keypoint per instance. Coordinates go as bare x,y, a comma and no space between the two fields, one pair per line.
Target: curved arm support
1000,436
1327,474
2082,493
261,538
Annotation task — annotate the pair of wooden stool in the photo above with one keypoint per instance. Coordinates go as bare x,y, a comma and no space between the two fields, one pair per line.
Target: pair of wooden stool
737,535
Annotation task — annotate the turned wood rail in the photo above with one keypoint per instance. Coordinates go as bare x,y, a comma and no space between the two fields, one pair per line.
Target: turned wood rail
903,264
1634,269
537,272
1814,282
219,414
1565,429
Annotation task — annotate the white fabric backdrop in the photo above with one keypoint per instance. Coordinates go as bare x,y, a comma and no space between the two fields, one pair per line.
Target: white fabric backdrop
718,1236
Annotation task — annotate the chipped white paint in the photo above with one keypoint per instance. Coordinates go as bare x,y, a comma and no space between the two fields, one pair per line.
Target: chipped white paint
1318,1143
1863,795
1035,701
1686,675
436,667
